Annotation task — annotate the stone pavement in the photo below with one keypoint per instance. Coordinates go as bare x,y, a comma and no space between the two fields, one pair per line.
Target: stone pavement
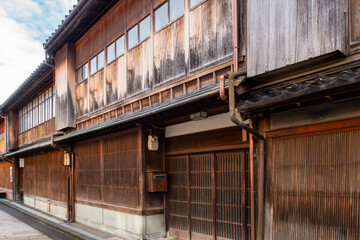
12,229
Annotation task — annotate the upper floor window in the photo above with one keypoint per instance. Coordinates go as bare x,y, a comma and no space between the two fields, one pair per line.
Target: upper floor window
193,3
139,33
38,111
115,50
168,12
82,73
97,63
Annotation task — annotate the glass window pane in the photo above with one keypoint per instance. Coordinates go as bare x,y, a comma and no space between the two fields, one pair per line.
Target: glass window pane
120,46
93,67
85,69
110,53
133,37
177,9
161,17
54,100
194,2
145,29
101,58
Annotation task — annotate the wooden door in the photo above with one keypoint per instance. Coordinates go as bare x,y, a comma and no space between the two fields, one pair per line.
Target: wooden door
207,196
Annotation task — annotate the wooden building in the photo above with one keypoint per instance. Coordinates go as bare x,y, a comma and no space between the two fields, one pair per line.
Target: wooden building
122,127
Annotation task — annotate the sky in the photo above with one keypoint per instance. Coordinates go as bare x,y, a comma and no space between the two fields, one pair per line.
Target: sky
24,27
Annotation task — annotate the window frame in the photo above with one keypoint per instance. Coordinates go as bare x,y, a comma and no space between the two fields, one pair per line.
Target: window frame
138,33
169,20
81,70
198,4
96,57
38,110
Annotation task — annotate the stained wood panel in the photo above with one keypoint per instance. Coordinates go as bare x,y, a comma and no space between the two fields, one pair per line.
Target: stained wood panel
88,183
97,39
210,38
82,98
138,68
107,170
5,175
45,177
82,51
169,52
96,91
282,33
315,193
355,20
43,130
137,10
112,78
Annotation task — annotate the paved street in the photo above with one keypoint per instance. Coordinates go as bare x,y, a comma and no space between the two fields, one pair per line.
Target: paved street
16,225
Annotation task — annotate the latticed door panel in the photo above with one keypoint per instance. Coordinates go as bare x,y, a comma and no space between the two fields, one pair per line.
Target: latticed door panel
201,195
207,196
178,193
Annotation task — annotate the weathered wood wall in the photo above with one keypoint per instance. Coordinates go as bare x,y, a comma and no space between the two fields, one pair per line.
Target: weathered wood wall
183,48
285,32
45,177
65,83
12,135
42,131
355,21
313,190
5,175
107,170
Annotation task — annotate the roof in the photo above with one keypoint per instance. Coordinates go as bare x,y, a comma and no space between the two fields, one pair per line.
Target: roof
29,149
29,87
80,19
294,91
197,95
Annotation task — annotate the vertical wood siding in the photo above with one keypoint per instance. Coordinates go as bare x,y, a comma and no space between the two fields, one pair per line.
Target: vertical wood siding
207,196
107,170
45,177
315,191
185,47
211,37
5,175
355,21
285,32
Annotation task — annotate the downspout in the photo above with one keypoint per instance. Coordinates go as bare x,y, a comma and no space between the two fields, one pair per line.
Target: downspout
242,125
261,183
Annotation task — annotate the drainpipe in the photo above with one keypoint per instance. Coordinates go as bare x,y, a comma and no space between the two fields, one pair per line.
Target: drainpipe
262,143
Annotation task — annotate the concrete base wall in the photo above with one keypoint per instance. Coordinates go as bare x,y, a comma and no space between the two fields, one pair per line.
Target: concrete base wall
47,206
127,225
9,194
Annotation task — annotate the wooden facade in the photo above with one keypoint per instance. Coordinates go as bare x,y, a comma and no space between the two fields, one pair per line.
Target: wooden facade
168,55
6,185
45,177
109,99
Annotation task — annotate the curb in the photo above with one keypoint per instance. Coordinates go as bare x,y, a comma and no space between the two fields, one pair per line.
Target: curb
60,227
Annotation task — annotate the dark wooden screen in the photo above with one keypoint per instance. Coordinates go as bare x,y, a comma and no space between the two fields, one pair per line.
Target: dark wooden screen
45,177
207,196
316,186
121,170
5,175
88,184
107,170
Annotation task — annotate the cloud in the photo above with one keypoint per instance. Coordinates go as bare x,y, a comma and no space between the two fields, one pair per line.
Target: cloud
25,25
